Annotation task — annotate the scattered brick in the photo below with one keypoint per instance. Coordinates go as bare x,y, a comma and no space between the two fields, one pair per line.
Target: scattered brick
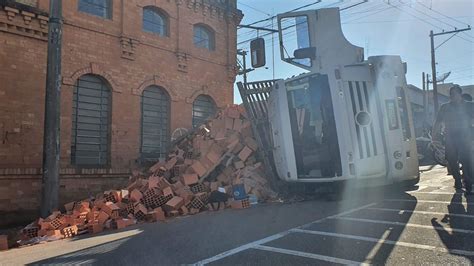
190,179
199,169
215,157
70,231
240,204
245,153
175,203
136,195
3,242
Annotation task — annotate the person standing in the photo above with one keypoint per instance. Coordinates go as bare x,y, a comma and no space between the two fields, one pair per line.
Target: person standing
457,117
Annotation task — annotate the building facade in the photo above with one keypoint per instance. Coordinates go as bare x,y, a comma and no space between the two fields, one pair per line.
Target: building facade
133,71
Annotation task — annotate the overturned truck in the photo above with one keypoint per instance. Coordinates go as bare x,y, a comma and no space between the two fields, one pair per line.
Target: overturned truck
347,118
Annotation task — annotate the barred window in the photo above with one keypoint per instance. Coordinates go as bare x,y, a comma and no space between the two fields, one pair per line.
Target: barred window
90,122
100,8
204,108
155,21
155,126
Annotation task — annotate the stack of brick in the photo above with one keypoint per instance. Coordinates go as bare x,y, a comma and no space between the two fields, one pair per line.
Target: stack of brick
214,158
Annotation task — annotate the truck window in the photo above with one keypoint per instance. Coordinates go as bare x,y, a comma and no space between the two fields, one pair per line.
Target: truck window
295,35
403,109
313,127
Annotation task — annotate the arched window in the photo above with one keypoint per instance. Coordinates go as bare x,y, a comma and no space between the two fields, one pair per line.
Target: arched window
90,122
155,21
155,126
204,37
204,108
100,8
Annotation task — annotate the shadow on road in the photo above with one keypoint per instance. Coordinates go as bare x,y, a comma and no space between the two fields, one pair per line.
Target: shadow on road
454,239
188,240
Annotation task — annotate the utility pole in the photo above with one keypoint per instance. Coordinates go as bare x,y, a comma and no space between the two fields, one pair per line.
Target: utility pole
51,150
424,97
433,62
244,69
433,73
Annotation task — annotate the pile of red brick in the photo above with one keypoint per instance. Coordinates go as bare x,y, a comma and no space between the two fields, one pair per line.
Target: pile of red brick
201,173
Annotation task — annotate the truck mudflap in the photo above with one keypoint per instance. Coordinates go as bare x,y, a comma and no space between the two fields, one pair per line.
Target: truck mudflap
255,99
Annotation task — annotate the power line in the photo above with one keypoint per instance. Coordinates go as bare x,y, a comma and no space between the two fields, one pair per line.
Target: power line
464,33
428,15
446,40
430,8
388,21
255,9
296,9
415,16
374,13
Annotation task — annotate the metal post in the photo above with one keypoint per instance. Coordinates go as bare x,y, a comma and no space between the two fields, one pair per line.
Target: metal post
424,98
51,150
433,62
428,98
433,77
244,62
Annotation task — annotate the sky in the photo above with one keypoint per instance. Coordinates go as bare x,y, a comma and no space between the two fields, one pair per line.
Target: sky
381,27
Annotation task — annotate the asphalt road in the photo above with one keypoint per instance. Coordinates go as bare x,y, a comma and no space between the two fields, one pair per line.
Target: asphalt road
426,224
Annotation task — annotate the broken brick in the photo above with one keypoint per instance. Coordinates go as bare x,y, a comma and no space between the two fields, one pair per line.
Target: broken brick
55,233
229,123
237,125
199,169
245,153
158,214
140,212
136,195
123,222
95,228
70,231
111,209
251,143
168,191
175,203
239,165
103,217
3,242
171,163
233,112
240,204
190,179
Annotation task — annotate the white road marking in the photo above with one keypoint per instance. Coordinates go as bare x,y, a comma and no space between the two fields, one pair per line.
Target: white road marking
389,242
436,192
273,237
308,255
421,187
437,181
375,250
429,201
422,212
440,228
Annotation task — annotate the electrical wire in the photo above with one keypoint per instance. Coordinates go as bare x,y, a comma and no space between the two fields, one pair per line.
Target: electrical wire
255,9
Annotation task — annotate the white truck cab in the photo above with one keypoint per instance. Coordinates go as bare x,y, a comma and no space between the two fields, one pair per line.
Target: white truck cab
347,118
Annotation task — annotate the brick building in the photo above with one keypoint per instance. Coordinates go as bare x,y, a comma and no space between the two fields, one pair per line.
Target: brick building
133,71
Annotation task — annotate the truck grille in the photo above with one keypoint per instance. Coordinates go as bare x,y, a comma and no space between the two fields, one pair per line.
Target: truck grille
363,104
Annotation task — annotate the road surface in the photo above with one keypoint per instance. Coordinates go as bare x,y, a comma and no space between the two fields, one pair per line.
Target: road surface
429,223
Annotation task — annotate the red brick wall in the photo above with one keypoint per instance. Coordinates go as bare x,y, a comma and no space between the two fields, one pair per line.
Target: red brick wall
124,55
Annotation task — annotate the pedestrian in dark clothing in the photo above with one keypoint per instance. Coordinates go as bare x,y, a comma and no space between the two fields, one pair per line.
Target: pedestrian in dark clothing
457,116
